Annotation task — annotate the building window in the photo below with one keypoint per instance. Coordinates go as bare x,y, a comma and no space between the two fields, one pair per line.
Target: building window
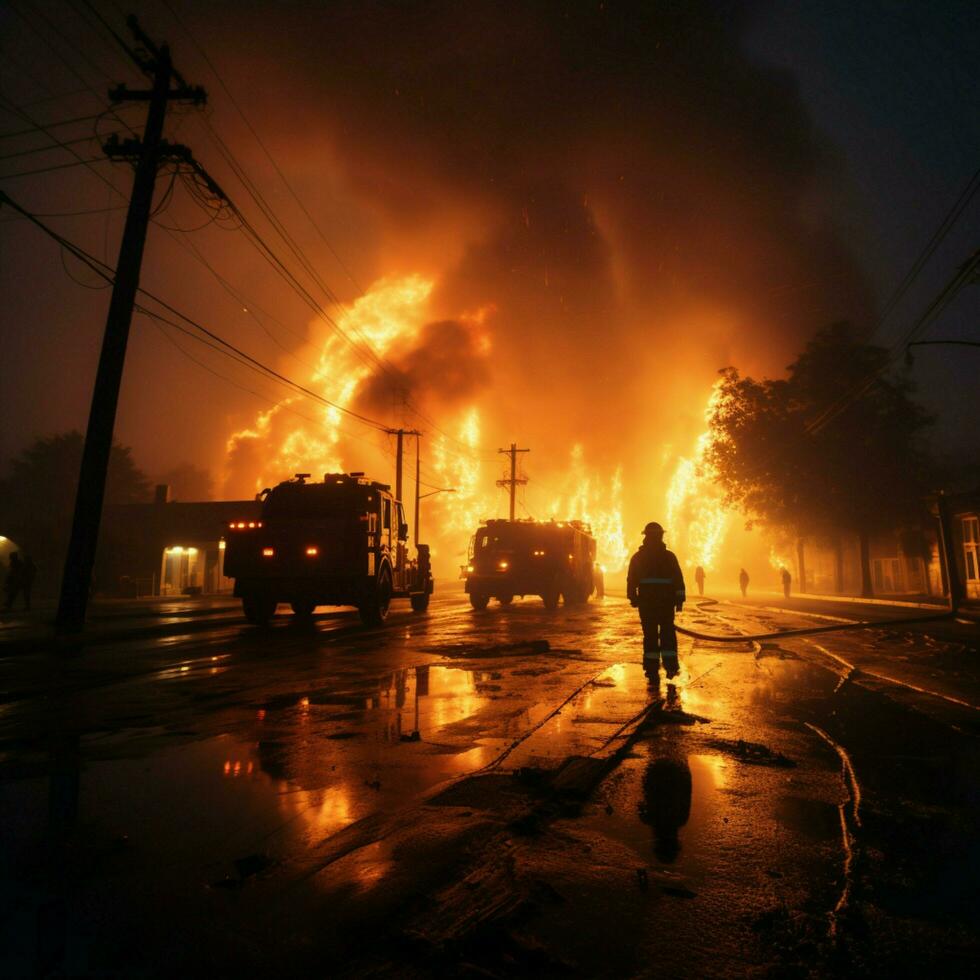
971,548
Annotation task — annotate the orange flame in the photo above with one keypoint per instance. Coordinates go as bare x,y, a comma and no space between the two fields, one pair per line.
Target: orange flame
696,518
601,505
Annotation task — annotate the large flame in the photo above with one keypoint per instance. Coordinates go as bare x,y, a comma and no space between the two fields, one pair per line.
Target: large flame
295,437
696,517
587,497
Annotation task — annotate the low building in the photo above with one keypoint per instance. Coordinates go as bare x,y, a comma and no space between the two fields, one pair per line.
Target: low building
903,563
962,511
169,547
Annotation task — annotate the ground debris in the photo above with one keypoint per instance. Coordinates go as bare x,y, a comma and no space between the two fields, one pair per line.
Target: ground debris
246,867
252,864
752,752
774,650
495,650
678,891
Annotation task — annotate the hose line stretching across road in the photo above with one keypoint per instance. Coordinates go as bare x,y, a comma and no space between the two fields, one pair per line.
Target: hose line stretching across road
807,630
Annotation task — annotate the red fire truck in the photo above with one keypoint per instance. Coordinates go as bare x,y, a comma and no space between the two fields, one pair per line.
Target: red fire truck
342,542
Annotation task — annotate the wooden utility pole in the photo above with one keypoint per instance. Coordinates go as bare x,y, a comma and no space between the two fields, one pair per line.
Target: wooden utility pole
400,433
513,482
147,153
418,492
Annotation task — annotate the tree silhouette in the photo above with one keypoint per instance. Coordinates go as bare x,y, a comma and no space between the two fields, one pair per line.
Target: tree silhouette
37,498
836,446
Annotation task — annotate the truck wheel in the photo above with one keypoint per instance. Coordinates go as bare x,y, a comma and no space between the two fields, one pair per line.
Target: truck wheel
551,597
258,609
420,601
479,600
505,600
374,609
303,608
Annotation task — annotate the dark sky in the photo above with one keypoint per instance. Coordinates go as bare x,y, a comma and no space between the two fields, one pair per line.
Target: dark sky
638,193
896,89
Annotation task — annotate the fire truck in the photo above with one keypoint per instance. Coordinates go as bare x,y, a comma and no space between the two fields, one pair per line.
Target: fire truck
552,559
342,542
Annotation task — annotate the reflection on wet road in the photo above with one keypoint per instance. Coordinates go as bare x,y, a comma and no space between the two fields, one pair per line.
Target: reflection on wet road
231,761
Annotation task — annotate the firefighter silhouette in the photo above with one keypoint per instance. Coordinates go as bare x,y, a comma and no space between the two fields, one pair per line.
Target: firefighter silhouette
655,586
699,578
787,581
743,581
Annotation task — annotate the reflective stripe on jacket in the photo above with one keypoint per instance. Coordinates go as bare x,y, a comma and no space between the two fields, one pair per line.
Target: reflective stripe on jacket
655,576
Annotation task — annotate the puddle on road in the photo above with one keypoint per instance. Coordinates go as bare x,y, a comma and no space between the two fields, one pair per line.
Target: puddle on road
666,808
288,774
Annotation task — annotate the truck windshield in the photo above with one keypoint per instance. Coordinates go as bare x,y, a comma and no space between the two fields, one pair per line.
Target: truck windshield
494,540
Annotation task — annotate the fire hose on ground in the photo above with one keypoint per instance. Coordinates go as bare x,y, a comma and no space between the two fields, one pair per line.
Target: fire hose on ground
808,630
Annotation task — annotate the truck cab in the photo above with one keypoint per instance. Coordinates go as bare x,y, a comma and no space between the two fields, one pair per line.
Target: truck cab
339,542
551,559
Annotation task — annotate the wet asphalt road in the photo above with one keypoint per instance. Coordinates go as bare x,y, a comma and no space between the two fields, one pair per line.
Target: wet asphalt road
491,793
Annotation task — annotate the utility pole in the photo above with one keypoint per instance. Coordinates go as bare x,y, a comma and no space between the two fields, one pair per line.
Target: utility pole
400,433
418,473
513,482
147,153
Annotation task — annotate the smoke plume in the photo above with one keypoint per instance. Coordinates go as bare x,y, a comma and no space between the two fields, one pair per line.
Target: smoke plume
629,201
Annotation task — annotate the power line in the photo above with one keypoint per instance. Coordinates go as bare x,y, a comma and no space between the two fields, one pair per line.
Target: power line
106,273
261,143
942,230
133,56
960,343
362,349
965,274
282,405
56,31
949,219
59,166
54,125
280,228
61,145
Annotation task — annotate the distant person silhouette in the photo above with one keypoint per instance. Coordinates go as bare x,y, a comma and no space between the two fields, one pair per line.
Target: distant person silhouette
699,578
666,804
655,586
14,583
787,580
743,581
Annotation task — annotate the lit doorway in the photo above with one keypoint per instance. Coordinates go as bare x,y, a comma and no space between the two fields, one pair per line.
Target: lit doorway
181,570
